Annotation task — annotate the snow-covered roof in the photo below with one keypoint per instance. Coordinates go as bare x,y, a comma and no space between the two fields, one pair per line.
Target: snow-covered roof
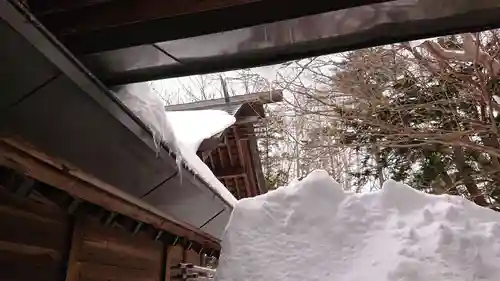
233,155
181,131
89,130
190,128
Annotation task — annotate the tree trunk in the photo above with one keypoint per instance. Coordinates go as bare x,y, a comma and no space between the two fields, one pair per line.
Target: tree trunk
465,174
380,169
449,184
492,168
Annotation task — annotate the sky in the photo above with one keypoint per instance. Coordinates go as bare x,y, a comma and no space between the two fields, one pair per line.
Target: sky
189,88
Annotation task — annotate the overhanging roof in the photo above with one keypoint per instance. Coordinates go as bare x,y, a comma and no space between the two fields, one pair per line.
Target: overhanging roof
55,105
139,40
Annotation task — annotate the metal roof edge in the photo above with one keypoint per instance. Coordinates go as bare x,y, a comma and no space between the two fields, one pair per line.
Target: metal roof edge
266,97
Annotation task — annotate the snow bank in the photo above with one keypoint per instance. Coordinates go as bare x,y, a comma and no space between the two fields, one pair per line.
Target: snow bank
190,129
313,230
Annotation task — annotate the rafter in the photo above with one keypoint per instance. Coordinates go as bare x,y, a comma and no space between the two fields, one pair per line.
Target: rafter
230,172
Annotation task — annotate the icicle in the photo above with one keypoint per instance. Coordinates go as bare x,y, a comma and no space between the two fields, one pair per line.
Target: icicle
179,161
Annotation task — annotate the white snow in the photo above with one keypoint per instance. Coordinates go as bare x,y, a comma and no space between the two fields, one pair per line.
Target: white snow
183,131
313,230
496,99
146,105
190,128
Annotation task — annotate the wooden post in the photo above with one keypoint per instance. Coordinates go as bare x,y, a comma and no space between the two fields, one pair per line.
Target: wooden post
72,274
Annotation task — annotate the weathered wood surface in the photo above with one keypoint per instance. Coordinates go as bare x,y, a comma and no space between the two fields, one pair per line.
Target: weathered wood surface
174,256
191,256
33,240
62,175
100,252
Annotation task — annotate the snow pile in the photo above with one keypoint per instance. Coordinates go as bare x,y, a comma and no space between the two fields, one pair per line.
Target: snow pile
313,230
190,129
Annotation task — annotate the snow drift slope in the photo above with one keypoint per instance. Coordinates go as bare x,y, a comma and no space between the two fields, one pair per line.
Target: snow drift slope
313,230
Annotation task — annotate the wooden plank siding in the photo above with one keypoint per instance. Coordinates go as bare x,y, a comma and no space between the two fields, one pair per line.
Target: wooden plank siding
103,253
40,242
23,157
44,237
177,254
174,256
191,256
33,240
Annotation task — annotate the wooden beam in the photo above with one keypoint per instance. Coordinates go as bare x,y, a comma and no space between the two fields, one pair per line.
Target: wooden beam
248,119
29,250
133,10
255,159
251,171
230,172
209,144
242,160
212,162
54,6
219,153
66,177
237,187
125,23
231,159
72,273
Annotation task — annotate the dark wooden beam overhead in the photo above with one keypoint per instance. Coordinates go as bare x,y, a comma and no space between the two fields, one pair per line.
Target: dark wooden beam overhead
165,8
53,6
95,26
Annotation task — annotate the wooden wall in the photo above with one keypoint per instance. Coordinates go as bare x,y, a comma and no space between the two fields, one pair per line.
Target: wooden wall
175,255
39,241
33,240
103,253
